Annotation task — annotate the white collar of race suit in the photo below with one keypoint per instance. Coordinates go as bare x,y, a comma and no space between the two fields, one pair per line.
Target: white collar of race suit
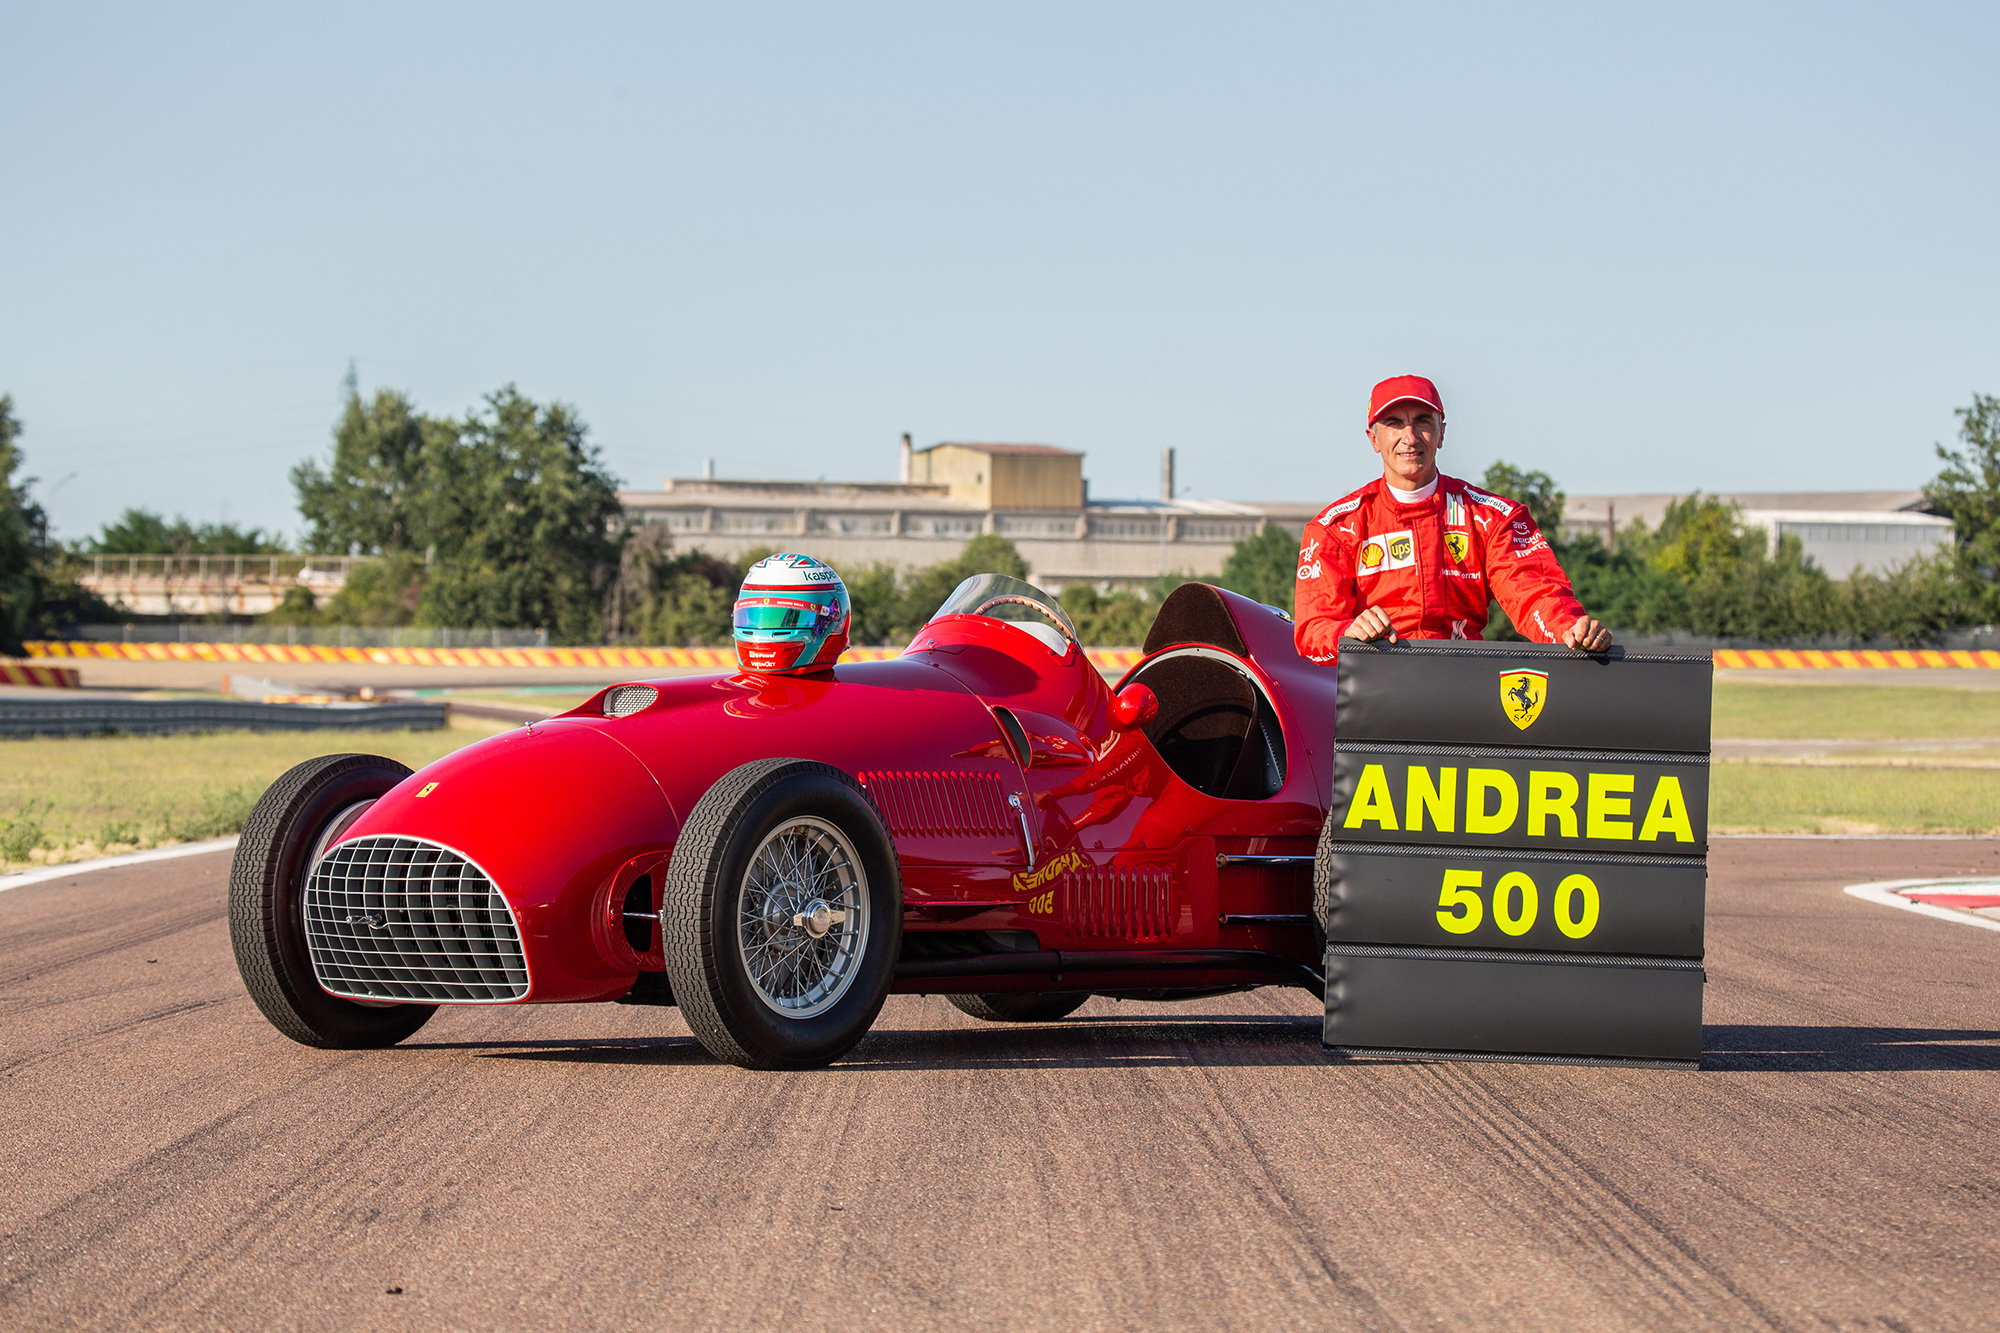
1413,497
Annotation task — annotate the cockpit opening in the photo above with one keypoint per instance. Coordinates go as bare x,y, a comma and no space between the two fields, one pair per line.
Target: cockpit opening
1216,729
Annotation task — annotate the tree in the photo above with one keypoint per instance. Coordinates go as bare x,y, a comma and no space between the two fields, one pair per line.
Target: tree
367,500
38,588
683,601
143,532
1118,619
1537,490
524,519
1264,568
505,518
24,538
1967,491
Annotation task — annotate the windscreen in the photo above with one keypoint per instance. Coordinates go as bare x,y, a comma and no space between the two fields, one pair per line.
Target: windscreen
1003,598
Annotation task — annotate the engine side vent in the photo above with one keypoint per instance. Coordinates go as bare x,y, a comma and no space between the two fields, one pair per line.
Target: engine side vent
941,805
1119,903
390,918
626,700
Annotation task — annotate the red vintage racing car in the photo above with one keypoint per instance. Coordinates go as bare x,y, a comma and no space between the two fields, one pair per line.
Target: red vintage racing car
982,817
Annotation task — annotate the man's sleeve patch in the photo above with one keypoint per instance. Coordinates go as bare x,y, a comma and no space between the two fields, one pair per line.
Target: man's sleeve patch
1333,511
1480,497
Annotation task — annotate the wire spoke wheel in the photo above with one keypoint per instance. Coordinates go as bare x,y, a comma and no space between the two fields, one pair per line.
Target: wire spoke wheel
802,918
782,915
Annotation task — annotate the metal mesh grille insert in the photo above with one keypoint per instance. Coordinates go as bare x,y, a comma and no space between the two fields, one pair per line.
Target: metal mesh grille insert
392,918
629,699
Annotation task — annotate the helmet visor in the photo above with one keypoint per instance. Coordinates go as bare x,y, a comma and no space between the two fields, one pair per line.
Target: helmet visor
776,612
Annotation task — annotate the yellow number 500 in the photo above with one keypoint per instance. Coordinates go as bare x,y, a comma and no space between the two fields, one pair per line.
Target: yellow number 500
1460,909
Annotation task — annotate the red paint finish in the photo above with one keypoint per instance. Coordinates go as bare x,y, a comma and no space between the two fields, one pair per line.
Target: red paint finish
1964,901
565,815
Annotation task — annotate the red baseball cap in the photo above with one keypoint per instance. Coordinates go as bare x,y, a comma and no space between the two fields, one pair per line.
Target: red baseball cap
1403,388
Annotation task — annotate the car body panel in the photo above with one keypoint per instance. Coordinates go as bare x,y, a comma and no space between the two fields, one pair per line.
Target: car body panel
1127,857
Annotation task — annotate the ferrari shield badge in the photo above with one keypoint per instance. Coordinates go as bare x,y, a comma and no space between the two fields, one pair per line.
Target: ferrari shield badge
1455,543
1521,695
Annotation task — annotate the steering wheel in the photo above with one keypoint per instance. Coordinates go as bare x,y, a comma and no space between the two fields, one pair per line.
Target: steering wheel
1010,598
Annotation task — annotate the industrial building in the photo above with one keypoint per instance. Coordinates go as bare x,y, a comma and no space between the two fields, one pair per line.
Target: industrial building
1034,495
1840,531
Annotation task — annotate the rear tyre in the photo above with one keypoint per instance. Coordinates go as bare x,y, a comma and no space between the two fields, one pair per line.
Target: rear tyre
297,817
782,916
1020,1008
1323,890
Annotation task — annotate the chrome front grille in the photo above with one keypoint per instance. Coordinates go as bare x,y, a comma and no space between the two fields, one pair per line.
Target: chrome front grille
391,918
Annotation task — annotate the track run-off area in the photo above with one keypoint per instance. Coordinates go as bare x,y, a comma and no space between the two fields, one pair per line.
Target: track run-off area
171,1161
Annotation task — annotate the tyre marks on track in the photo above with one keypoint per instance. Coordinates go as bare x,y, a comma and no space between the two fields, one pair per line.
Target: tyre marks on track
1593,1212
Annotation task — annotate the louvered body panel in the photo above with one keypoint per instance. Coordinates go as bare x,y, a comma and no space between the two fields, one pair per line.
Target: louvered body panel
1119,903
941,804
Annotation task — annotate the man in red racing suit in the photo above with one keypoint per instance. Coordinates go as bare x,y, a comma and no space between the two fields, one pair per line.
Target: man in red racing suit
1416,554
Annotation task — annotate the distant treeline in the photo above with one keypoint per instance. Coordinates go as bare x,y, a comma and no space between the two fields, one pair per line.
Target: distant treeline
507,518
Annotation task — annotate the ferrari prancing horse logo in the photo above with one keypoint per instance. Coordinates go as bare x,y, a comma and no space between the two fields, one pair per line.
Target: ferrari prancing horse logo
1522,694
1455,543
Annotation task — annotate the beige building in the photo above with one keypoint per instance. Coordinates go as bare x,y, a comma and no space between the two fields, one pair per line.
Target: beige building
1033,495
999,476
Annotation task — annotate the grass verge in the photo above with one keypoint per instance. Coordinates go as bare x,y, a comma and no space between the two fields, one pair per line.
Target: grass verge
67,798
1852,712
1851,798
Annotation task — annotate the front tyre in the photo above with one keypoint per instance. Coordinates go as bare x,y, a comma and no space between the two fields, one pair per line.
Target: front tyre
782,916
297,818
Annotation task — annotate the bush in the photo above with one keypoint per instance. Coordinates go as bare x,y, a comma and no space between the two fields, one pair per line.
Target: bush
223,811
1264,568
23,833
1704,571
1109,620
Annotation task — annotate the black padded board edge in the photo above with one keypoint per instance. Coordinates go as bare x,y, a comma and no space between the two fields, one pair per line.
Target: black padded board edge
1636,700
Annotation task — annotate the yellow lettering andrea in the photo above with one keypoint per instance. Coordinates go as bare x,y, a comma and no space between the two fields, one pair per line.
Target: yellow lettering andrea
1440,801
1479,781
1667,813
1372,803
1551,794
1609,813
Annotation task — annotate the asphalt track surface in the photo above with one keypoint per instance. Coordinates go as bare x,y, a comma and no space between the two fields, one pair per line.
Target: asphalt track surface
170,1161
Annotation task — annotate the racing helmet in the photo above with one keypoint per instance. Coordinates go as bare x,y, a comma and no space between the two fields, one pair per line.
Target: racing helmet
792,615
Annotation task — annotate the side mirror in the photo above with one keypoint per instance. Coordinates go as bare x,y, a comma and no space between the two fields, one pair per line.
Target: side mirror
1135,706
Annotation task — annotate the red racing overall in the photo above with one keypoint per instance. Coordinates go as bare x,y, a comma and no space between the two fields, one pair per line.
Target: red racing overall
1432,566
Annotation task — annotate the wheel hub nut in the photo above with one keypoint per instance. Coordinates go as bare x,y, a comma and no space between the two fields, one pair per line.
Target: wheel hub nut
818,918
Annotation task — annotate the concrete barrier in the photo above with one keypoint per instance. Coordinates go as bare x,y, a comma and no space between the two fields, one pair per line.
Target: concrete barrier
724,659
635,660
89,717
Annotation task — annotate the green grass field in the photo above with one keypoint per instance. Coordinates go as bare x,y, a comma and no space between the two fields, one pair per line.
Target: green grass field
65,798
71,798
554,700
1852,798
1748,711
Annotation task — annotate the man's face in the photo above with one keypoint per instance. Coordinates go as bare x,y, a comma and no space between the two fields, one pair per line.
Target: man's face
1407,435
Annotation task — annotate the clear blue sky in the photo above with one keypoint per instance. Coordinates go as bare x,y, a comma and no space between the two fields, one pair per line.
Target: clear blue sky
1641,247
